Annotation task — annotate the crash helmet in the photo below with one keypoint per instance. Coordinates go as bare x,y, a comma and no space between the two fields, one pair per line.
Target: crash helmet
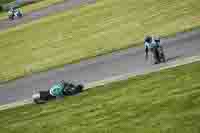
148,39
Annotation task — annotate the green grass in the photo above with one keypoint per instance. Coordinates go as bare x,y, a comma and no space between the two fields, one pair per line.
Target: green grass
32,7
5,1
161,102
89,31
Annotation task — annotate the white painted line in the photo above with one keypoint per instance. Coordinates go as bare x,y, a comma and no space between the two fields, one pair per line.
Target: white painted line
15,104
176,63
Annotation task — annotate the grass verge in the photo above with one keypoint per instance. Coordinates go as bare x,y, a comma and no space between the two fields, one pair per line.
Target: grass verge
32,7
5,1
166,101
91,30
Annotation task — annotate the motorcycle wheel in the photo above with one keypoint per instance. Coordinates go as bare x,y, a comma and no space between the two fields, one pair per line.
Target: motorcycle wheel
163,57
11,17
156,56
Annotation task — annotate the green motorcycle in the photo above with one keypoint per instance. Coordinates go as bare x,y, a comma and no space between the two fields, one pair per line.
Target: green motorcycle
60,89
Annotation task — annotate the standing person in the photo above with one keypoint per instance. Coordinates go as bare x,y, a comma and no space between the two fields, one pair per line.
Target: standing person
11,13
147,43
150,44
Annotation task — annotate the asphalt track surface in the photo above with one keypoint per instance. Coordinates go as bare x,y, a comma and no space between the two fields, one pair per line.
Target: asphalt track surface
38,14
103,67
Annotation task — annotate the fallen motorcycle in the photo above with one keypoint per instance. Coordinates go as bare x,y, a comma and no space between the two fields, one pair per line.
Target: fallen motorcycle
69,89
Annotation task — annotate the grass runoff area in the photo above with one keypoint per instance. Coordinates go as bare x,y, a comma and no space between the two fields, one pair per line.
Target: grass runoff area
88,31
160,102
32,7
5,1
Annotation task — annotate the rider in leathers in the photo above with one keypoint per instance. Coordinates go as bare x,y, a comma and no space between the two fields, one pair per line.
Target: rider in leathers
152,45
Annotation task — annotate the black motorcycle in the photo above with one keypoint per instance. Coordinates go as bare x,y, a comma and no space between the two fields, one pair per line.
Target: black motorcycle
158,55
